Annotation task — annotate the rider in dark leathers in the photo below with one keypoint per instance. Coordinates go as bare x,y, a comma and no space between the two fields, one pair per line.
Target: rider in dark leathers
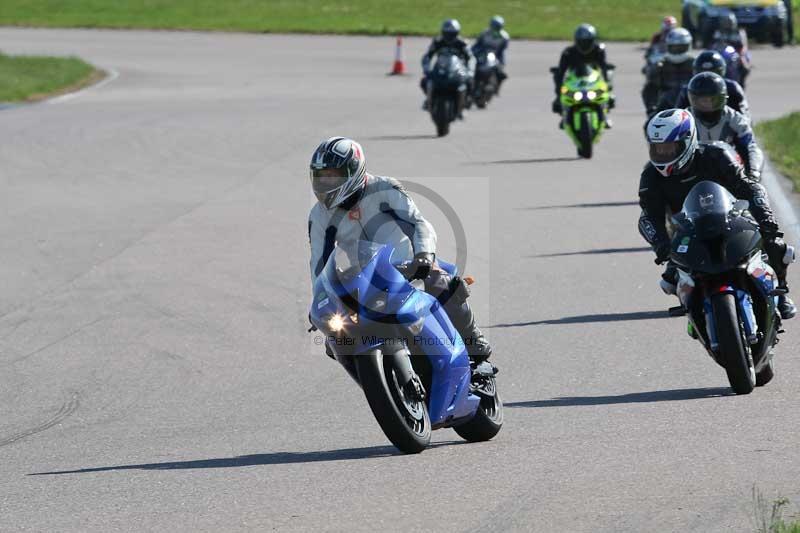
712,61
585,51
665,79
663,188
447,41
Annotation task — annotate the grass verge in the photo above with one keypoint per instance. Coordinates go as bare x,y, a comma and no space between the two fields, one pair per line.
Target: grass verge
781,138
769,515
541,19
32,78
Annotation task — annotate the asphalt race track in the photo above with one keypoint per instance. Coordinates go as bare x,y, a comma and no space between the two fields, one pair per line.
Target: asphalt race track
155,370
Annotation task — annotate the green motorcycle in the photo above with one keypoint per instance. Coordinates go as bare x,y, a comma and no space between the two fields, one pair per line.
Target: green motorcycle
585,98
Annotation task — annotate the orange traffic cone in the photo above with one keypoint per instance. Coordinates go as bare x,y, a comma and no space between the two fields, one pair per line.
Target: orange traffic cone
399,66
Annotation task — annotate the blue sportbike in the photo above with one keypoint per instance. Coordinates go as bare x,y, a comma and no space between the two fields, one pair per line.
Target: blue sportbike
397,342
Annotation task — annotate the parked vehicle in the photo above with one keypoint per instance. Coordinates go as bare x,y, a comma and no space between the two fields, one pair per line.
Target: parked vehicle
764,20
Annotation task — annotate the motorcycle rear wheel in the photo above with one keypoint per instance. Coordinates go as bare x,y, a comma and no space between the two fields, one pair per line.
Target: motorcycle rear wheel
488,419
404,421
738,362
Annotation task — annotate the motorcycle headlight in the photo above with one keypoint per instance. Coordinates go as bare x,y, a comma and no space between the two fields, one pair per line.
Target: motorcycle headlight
591,95
577,96
336,323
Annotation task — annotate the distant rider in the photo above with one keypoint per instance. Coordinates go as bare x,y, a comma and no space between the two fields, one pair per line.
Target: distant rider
677,163
729,34
494,39
658,43
712,61
450,42
665,79
708,95
585,52
354,205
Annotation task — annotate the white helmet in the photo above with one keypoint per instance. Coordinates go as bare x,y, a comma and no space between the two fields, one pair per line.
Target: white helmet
338,171
679,43
672,136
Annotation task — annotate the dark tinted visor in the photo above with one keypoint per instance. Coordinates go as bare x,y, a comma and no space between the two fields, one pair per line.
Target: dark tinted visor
585,45
707,104
677,49
325,180
666,152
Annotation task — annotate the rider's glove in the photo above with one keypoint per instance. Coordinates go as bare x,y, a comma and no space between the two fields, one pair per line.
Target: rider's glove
557,106
421,265
754,175
662,251
774,245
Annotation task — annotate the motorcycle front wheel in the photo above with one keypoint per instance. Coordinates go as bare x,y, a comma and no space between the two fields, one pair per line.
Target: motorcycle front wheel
404,420
738,362
441,115
586,136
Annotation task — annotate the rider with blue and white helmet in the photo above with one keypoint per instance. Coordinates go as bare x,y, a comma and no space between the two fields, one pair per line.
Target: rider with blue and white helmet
677,163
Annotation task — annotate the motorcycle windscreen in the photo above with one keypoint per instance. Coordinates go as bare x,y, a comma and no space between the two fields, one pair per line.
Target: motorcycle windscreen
362,275
708,206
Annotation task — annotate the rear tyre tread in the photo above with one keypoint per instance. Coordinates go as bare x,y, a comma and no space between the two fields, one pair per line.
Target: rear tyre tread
482,426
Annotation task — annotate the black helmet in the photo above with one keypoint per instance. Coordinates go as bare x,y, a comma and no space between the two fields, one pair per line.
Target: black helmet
585,38
710,61
450,30
728,22
708,95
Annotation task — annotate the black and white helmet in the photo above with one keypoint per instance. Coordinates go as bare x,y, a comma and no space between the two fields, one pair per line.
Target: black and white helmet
450,30
338,171
679,43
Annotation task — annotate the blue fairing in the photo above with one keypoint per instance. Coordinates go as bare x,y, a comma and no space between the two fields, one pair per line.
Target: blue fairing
374,295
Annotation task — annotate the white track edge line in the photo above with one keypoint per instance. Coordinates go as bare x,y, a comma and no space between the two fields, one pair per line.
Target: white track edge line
112,75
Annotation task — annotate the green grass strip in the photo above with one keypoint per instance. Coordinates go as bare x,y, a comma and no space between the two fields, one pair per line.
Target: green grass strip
781,138
30,78
541,19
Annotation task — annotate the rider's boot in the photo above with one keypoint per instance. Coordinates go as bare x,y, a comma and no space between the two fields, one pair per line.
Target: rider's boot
786,307
669,280
460,312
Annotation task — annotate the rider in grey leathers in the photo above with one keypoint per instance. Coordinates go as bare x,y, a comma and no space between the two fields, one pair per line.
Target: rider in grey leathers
353,205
